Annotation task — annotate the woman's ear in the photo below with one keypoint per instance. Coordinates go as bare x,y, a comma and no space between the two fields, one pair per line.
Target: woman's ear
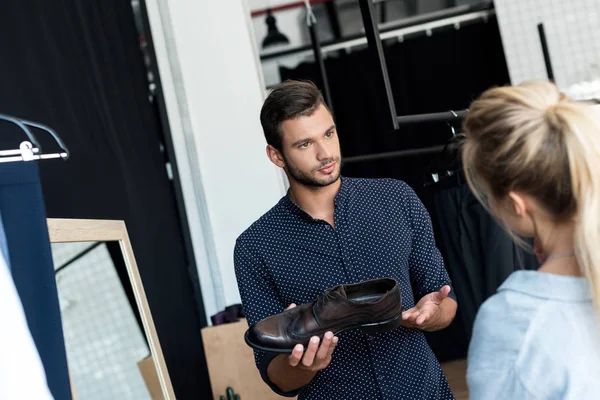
275,156
518,204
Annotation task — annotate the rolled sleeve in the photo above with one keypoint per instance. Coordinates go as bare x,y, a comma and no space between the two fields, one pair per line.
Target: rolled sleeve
260,300
427,271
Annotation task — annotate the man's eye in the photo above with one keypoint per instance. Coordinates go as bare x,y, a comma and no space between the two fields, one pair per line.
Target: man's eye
303,145
329,134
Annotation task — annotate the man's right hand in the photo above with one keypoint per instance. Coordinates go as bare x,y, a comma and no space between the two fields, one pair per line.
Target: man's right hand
292,372
316,357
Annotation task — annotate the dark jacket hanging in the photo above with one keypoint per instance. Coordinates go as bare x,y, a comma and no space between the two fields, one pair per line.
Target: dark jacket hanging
24,219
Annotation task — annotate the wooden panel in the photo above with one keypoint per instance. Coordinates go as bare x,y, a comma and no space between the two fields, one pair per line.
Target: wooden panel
79,230
456,374
231,363
84,230
147,321
148,371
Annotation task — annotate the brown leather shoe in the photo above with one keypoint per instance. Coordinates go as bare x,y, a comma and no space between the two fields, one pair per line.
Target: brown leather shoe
373,306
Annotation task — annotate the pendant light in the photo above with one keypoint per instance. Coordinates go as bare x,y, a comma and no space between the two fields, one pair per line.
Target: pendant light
274,37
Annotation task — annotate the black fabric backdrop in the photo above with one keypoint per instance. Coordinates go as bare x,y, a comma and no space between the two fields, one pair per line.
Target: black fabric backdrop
428,74
76,66
445,71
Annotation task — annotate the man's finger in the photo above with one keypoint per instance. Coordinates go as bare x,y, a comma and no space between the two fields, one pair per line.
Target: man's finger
412,316
422,318
408,324
290,306
296,355
311,351
325,345
408,313
334,343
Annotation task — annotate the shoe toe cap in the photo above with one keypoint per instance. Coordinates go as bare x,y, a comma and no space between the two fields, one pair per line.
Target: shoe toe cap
267,335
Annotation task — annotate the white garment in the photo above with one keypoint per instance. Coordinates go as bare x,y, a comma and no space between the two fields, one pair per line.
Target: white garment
22,374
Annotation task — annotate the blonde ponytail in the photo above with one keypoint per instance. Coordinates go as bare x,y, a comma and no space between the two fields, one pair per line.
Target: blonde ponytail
533,139
582,130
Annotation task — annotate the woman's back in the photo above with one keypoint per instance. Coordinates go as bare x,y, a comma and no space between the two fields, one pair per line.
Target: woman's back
538,338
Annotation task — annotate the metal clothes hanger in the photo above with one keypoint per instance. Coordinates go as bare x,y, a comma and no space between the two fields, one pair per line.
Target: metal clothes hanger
31,150
436,176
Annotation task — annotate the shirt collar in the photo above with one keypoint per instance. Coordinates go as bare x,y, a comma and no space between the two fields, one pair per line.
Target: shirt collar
339,198
548,286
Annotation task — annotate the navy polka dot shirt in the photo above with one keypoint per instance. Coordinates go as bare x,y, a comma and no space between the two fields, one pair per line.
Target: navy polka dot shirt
381,230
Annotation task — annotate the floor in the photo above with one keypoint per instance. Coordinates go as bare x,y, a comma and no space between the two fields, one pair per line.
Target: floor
456,372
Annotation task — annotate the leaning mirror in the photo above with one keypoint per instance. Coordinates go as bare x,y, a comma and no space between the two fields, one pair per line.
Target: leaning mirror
112,346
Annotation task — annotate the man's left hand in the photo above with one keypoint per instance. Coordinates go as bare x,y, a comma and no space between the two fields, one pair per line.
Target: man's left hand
427,313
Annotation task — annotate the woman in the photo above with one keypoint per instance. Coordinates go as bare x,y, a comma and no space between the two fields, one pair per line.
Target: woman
532,156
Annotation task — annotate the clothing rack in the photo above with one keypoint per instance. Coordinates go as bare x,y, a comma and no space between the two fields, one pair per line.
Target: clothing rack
447,116
31,149
393,154
545,51
453,17
379,67
378,57
373,38
311,21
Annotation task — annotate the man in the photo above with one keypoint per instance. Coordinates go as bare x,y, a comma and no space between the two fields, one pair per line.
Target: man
331,230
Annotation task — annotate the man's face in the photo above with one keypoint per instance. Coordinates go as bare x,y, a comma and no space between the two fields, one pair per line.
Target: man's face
311,149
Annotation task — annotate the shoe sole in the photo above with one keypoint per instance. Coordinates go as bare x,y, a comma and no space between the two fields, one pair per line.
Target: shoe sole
374,327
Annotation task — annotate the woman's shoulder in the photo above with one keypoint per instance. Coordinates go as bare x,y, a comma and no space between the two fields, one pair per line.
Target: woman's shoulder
503,321
502,330
527,339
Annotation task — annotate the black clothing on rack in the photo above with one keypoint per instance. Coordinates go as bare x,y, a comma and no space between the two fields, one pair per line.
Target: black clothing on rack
478,252
24,219
446,72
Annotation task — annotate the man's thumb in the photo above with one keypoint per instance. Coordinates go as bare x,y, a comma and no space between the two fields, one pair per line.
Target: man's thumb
443,293
290,306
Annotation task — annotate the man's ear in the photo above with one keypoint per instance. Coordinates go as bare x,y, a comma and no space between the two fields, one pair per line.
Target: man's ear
518,204
275,156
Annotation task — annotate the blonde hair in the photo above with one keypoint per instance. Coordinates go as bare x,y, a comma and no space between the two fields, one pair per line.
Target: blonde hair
533,139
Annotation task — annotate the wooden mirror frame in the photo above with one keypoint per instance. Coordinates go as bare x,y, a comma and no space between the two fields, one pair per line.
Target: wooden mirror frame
84,230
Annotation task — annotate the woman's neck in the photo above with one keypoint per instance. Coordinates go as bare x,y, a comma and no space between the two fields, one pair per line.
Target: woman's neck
562,266
558,243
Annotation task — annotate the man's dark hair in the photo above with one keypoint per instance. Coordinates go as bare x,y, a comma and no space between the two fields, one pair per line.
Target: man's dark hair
288,100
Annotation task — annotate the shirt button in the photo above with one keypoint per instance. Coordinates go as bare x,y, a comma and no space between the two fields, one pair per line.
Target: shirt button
380,377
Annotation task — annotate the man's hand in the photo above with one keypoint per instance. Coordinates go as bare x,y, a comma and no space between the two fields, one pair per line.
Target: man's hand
292,372
316,357
434,311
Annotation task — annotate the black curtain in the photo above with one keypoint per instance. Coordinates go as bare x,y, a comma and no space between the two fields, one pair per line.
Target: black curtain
77,67
445,71
442,72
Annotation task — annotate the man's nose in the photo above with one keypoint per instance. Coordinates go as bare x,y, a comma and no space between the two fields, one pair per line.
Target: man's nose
323,151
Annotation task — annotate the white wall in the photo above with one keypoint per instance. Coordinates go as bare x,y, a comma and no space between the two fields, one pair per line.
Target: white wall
214,89
572,32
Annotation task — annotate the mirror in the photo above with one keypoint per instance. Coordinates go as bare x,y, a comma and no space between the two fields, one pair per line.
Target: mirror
112,347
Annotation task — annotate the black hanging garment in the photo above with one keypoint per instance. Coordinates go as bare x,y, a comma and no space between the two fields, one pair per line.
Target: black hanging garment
30,257
446,72
479,253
